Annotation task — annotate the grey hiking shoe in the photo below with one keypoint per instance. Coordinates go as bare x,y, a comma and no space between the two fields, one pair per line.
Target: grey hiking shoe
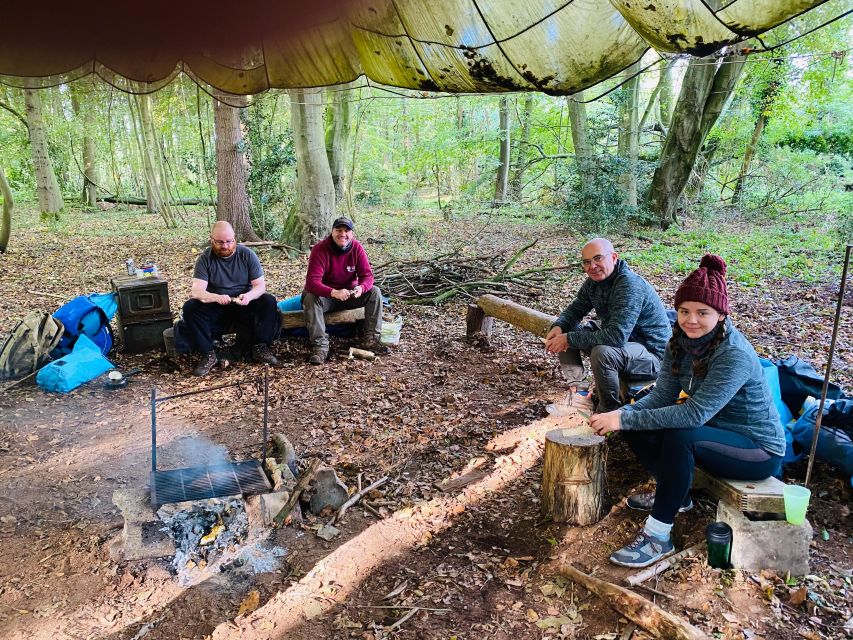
645,502
318,356
645,550
207,362
261,353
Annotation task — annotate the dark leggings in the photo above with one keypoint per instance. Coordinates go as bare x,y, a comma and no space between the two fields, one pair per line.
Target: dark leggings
669,455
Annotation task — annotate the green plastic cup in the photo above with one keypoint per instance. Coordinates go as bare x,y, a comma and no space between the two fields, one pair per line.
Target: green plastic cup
796,503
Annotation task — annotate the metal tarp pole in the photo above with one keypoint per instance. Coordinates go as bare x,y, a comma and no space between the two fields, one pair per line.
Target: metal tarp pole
153,428
823,391
266,412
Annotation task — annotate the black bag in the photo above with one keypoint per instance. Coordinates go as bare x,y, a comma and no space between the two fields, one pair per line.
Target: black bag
798,380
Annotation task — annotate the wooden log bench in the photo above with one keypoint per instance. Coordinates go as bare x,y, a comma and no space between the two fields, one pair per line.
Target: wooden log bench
295,319
754,496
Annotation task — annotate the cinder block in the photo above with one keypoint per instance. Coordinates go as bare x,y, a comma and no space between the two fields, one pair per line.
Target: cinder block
766,544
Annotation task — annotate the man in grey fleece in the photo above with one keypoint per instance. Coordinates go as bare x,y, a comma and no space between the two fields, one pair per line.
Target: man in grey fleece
630,334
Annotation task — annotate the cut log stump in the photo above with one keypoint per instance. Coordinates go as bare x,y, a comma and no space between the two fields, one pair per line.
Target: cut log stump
477,321
574,477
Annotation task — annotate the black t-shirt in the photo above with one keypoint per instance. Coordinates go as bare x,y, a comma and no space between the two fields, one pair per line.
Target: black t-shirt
230,276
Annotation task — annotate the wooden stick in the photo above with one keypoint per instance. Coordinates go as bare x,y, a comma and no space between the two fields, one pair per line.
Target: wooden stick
49,295
303,481
399,622
664,565
355,498
655,591
17,382
660,623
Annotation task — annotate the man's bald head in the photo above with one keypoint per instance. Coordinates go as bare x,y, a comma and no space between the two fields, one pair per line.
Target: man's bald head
598,259
222,240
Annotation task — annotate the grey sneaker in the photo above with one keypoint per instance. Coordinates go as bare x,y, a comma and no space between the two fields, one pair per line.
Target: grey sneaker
318,356
645,550
207,362
645,502
261,353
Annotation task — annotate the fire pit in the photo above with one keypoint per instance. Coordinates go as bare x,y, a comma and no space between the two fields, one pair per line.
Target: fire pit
208,481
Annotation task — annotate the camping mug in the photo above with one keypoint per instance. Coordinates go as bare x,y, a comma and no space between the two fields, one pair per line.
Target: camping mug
718,535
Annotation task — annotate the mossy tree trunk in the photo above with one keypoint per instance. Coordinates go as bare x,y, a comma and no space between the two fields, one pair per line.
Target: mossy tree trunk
628,144
314,210
705,91
150,154
338,129
502,176
6,219
520,160
580,135
49,196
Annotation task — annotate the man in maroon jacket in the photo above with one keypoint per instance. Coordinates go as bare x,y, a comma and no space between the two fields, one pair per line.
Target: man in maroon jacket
339,277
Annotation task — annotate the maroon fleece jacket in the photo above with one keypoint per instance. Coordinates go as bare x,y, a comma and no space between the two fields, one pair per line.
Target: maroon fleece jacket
331,268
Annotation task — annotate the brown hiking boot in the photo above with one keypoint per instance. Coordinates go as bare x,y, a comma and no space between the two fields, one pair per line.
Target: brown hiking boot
262,353
207,362
372,344
318,356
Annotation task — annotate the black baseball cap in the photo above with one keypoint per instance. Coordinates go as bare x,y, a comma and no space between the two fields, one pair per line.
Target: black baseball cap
343,221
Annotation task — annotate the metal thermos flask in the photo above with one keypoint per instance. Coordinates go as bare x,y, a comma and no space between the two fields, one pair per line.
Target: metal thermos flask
718,535
131,266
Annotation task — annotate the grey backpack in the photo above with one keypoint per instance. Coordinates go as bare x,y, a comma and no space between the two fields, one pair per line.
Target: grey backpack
29,344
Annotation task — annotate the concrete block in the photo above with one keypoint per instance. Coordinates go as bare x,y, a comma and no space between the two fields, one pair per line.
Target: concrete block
142,536
329,491
270,504
766,544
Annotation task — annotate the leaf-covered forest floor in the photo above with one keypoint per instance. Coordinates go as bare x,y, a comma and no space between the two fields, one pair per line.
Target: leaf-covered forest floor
476,563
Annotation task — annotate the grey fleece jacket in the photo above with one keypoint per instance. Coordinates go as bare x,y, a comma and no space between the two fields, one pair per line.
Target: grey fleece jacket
733,395
628,308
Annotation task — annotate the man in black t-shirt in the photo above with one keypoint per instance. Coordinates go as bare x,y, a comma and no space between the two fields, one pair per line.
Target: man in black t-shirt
228,289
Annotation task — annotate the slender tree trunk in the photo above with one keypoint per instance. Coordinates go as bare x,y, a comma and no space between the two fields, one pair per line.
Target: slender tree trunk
629,139
86,109
580,135
49,195
338,128
232,199
748,156
665,94
502,177
520,162
6,219
315,190
704,93
150,152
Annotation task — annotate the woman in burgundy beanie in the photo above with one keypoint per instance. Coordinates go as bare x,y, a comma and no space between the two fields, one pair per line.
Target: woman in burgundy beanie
711,406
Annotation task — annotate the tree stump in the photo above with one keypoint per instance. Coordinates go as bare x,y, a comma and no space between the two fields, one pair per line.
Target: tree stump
573,477
477,320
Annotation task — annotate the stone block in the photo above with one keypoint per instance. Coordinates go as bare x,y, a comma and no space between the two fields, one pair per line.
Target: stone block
142,536
766,544
271,504
329,491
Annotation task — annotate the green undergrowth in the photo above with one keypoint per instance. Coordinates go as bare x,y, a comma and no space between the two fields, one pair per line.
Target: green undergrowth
754,254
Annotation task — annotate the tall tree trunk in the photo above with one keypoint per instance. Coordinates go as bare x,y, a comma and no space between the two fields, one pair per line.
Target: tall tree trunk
232,199
748,155
628,145
704,93
338,128
84,107
580,135
6,219
665,94
502,177
149,150
314,210
49,195
520,162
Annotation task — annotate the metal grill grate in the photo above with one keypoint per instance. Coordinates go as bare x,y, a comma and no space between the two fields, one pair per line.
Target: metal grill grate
214,481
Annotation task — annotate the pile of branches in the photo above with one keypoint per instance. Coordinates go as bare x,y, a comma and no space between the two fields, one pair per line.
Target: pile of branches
439,279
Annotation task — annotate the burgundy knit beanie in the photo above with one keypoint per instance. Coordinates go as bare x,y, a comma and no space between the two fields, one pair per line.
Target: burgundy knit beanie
707,284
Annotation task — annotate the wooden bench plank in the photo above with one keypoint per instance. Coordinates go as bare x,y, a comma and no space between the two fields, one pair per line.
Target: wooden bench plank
755,495
294,319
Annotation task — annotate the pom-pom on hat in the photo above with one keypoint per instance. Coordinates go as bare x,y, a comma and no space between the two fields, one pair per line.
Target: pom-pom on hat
706,284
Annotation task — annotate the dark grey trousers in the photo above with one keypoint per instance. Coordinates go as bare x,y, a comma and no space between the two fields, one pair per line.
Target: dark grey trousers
313,308
608,364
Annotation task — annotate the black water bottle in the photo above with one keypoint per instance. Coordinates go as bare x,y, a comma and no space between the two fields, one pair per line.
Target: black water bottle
718,535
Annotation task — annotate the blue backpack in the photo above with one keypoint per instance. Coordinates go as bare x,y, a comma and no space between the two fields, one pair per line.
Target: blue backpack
86,315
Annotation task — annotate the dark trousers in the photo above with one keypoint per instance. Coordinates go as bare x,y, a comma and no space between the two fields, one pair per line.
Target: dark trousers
669,455
313,308
254,323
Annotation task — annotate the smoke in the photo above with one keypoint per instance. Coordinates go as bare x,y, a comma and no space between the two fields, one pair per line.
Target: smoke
197,451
